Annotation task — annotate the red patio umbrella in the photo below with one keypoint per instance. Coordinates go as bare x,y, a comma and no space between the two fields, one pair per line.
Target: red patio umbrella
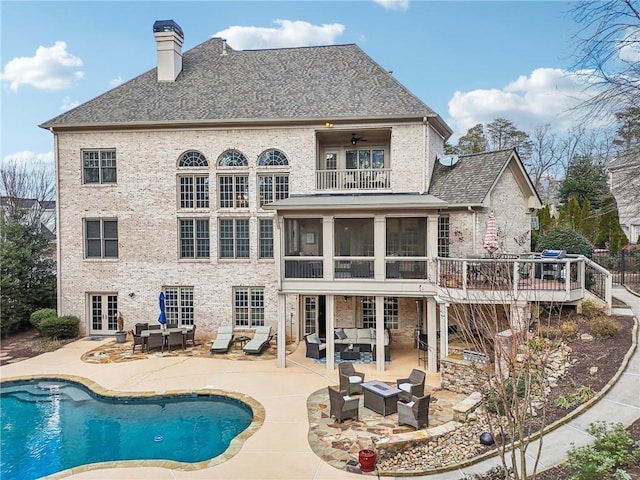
491,243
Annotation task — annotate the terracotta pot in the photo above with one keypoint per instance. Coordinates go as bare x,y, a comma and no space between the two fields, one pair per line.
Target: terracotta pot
367,459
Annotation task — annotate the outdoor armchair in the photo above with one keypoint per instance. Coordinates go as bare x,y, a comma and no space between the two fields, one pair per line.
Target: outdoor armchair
350,380
411,386
315,347
190,336
261,338
342,406
223,340
414,413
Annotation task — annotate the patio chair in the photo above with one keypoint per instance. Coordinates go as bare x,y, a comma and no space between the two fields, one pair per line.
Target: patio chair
350,380
412,386
223,340
190,336
414,413
155,340
175,338
155,326
342,406
315,347
137,338
261,339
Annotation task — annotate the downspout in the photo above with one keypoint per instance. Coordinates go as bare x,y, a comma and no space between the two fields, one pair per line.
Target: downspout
475,229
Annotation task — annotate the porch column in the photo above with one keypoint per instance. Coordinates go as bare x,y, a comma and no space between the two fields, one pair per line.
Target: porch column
282,331
330,317
444,329
432,336
432,247
380,249
327,248
380,333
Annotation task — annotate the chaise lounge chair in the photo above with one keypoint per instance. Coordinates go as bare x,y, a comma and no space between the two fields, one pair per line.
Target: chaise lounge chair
223,340
260,339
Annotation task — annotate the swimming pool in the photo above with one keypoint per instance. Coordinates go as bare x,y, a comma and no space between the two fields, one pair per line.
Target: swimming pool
49,425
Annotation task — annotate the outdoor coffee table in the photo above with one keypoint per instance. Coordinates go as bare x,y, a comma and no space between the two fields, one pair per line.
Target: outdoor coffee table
350,354
380,397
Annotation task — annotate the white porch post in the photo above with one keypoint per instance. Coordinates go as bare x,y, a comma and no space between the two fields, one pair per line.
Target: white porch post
380,241
330,317
432,336
444,329
432,247
282,331
380,333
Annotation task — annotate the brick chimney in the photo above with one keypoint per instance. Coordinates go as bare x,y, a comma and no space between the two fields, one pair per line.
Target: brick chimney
169,40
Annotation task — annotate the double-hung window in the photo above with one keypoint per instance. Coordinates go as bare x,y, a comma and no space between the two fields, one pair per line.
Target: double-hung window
101,238
193,181
99,166
273,184
390,312
233,234
265,240
233,188
443,236
248,307
179,305
194,238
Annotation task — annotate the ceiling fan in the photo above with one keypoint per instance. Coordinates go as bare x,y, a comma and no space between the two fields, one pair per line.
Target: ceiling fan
355,139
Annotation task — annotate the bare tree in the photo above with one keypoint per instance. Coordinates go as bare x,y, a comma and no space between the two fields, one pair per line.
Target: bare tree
26,192
607,53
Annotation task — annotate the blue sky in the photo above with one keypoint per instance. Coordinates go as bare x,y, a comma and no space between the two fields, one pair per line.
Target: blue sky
471,61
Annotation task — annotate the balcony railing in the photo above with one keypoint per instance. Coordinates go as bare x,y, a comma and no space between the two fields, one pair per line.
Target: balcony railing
376,179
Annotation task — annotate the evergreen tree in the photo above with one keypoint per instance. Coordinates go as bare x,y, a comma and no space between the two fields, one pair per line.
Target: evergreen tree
474,141
587,180
609,234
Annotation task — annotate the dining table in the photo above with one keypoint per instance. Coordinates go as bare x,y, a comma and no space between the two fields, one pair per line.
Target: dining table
145,334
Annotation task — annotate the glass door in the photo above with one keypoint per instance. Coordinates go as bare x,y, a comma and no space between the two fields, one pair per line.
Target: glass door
310,311
104,313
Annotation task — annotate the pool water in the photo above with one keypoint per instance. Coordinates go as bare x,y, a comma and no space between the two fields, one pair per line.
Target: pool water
51,425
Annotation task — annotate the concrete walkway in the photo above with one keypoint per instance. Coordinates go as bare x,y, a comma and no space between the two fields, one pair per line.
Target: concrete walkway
280,449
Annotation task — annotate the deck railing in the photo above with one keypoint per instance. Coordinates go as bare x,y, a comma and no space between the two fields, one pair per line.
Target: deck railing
375,179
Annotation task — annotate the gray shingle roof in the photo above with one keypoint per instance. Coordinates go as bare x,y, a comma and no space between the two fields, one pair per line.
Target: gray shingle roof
468,181
327,82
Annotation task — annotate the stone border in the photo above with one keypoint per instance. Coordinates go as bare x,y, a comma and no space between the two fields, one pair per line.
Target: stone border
234,447
535,436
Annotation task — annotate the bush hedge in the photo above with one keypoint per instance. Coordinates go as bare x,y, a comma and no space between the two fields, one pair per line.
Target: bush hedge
39,315
67,326
565,239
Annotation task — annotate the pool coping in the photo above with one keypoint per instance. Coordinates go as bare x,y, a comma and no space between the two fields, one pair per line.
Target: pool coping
234,446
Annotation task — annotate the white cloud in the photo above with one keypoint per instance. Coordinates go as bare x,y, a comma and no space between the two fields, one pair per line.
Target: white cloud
51,68
630,46
116,81
393,4
31,160
68,104
545,96
287,34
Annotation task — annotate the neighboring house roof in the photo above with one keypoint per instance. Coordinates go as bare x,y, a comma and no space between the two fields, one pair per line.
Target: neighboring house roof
327,82
470,180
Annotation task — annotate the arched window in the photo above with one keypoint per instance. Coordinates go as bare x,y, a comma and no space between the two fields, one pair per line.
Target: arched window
193,188
232,158
272,185
272,158
233,188
193,159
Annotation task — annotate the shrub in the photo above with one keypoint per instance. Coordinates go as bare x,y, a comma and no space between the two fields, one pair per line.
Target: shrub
60,327
611,451
569,328
565,239
39,315
603,326
591,309
566,401
496,473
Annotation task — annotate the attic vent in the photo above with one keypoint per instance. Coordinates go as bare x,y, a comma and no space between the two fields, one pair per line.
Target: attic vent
224,46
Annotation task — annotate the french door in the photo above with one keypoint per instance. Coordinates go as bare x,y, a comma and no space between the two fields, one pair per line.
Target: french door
103,313
313,308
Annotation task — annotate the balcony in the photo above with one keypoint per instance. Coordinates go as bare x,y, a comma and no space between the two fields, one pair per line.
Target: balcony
348,180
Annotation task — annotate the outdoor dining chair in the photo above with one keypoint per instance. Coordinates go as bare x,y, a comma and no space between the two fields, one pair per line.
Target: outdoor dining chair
154,341
190,336
175,338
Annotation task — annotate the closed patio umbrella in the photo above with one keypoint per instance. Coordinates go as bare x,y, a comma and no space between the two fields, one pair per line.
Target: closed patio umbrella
491,243
162,319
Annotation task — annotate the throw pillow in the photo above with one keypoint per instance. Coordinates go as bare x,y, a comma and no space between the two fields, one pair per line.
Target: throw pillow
341,334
